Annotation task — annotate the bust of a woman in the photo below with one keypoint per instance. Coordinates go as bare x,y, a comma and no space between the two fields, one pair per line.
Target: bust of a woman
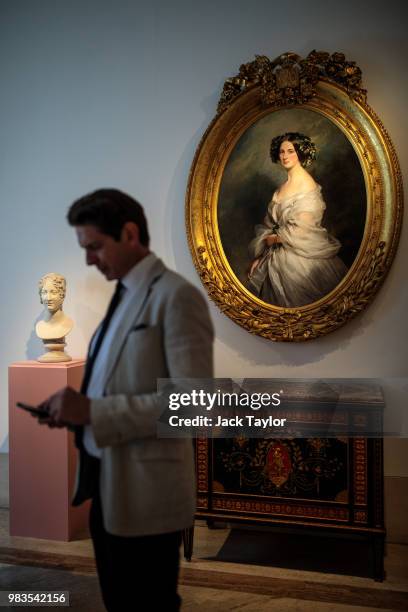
55,325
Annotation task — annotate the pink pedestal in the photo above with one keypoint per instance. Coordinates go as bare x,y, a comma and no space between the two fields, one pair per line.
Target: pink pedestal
42,460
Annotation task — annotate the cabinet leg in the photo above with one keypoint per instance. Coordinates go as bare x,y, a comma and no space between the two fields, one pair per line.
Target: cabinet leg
378,558
188,540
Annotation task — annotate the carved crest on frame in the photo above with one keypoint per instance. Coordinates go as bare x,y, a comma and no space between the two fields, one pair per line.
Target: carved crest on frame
289,79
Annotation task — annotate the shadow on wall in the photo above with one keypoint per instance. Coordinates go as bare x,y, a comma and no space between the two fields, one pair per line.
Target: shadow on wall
34,345
4,447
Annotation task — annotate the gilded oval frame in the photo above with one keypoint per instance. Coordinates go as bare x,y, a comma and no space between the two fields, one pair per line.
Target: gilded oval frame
263,87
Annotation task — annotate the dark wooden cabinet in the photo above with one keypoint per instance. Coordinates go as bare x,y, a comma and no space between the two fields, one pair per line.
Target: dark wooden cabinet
324,485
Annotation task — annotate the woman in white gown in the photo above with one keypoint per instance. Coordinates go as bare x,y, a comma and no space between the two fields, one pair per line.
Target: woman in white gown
295,258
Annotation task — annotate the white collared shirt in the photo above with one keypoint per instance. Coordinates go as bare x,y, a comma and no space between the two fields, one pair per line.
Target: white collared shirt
133,282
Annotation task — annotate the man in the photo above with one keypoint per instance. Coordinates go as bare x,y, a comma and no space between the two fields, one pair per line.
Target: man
142,487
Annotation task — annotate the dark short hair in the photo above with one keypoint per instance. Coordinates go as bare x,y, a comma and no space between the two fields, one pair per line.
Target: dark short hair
304,147
109,210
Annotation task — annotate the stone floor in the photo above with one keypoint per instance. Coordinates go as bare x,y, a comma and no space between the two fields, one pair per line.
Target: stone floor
205,584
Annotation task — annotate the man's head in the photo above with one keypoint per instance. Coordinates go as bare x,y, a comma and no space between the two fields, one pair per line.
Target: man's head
112,228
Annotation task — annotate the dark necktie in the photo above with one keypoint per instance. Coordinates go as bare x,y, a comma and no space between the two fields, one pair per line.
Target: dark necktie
88,465
105,324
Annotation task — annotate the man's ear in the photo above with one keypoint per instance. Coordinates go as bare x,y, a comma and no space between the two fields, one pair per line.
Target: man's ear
130,233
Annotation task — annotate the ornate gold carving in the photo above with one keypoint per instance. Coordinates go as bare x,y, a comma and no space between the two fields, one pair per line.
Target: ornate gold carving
290,79
309,511
342,497
202,464
360,419
360,516
360,471
217,487
290,324
278,464
202,503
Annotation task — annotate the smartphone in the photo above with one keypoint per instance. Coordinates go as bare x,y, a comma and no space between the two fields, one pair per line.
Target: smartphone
33,410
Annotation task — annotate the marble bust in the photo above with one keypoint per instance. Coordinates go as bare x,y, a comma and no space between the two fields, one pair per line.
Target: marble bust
55,325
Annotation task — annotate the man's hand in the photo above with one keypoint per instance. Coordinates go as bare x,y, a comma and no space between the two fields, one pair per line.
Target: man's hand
66,407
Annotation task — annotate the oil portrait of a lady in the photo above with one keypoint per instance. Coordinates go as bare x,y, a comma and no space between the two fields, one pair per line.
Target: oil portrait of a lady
294,259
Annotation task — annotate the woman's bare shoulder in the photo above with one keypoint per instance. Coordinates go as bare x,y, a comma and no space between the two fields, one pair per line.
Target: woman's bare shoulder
309,184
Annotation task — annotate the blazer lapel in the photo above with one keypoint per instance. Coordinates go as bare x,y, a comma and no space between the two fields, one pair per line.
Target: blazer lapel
131,314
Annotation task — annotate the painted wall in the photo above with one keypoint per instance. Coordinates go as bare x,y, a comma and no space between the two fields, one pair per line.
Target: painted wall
101,93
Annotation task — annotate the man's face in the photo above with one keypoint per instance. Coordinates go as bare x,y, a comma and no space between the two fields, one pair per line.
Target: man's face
111,257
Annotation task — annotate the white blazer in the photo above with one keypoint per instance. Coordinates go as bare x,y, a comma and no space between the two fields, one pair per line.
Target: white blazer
147,484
